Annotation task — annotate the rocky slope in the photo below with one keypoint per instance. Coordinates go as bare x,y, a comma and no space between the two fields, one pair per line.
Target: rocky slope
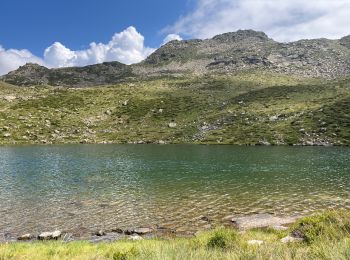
244,50
247,50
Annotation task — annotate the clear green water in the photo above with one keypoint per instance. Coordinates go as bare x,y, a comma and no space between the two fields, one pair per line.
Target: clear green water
105,186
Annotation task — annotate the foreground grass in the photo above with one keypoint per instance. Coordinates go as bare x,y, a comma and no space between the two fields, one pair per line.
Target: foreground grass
326,236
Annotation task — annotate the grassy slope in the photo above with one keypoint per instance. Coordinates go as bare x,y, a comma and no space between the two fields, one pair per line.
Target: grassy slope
326,237
246,108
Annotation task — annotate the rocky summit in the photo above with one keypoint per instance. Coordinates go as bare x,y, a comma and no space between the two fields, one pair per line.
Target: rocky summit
244,50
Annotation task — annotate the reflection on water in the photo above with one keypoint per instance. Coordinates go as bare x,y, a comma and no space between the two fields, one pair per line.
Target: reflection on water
107,186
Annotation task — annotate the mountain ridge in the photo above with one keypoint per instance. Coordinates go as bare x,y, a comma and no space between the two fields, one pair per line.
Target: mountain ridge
230,52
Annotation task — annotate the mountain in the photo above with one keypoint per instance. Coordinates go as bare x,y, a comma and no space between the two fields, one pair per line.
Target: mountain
99,74
244,50
251,50
237,88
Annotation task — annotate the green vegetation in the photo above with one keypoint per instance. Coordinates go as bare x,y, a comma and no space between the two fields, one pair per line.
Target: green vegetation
326,237
246,108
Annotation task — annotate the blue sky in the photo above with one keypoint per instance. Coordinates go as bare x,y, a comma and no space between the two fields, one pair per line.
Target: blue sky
82,32
36,24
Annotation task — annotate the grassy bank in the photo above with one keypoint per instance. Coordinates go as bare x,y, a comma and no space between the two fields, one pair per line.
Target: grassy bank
326,236
246,108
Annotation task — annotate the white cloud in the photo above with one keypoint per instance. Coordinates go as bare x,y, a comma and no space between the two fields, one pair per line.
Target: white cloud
171,37
57,55
126,47
283,20
11,59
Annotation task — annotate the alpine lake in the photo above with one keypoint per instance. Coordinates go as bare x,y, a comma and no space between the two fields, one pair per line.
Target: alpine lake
180,187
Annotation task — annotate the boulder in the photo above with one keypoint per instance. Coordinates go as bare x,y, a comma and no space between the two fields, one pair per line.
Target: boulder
172,125
50,235
56,234
135,237
45,236
280,228
290,239
273,118
255,242
25,237
263,143
9,98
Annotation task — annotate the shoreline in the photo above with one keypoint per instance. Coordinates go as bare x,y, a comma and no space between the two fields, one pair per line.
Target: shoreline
239,223
172,144
322,236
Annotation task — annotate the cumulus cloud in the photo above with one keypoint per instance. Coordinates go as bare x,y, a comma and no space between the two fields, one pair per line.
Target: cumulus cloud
283,20
127,47
11,59
171,37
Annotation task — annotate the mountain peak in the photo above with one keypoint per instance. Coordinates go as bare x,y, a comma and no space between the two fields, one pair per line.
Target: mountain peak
29,68
241,35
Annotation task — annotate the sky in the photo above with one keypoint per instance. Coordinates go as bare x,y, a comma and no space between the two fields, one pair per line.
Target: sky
82,32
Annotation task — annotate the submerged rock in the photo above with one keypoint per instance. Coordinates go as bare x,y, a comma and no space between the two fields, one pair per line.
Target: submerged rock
261,220
118,230
205,218
100,233
142,231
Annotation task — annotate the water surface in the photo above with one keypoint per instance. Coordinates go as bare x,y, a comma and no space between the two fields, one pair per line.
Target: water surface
106,186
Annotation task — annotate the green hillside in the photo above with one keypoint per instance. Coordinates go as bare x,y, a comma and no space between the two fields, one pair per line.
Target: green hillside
246,108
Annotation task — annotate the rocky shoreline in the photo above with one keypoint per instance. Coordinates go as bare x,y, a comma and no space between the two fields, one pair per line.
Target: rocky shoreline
242,224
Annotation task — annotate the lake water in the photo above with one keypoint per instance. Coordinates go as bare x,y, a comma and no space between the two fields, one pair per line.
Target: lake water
92,187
